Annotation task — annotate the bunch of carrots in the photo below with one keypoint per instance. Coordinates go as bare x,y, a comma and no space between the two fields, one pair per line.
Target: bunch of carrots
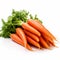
32,32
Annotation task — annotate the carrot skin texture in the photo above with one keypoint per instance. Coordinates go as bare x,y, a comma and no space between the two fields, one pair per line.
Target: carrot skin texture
47,41
21,34
31,41
47,38
53,37
43,42
16,39
31,35
40,27
46,29
30,29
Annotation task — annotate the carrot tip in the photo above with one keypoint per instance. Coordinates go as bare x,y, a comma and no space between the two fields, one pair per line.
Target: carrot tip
39,47
50,48
31,50
56,46
42,48
57,40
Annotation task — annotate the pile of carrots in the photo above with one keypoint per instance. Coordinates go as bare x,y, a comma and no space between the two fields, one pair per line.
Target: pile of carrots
33,33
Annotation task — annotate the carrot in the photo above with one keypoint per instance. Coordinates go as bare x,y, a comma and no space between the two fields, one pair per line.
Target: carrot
44,27
32,35
21,34
30,29
52,35
47,38
50,41
40,27
41,47
31,41
53,44
16,39
47,41
43,42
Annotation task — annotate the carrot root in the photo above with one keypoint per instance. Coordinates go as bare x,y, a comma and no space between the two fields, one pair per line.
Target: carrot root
44,43
21,34
31,35
31,29
16,39
40,27
31,41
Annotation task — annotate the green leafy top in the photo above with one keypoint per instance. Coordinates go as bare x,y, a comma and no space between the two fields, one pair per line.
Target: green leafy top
14,21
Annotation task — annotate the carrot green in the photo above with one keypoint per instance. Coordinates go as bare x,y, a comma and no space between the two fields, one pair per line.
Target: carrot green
14,21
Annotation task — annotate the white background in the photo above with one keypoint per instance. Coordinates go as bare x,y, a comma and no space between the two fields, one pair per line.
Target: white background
48,11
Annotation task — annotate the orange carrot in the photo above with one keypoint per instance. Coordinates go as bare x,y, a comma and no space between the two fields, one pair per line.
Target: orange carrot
41,47
50,41
30,29
31,41
16,39
47,41
40,27
44,27
42,41
53,44
47,38
31,35
52,35
21,34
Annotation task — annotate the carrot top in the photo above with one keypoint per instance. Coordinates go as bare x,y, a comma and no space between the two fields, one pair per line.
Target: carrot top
14,21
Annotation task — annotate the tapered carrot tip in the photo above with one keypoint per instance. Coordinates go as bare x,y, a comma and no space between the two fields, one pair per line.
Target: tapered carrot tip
56,46
31,50
49,48
39,47
56,40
